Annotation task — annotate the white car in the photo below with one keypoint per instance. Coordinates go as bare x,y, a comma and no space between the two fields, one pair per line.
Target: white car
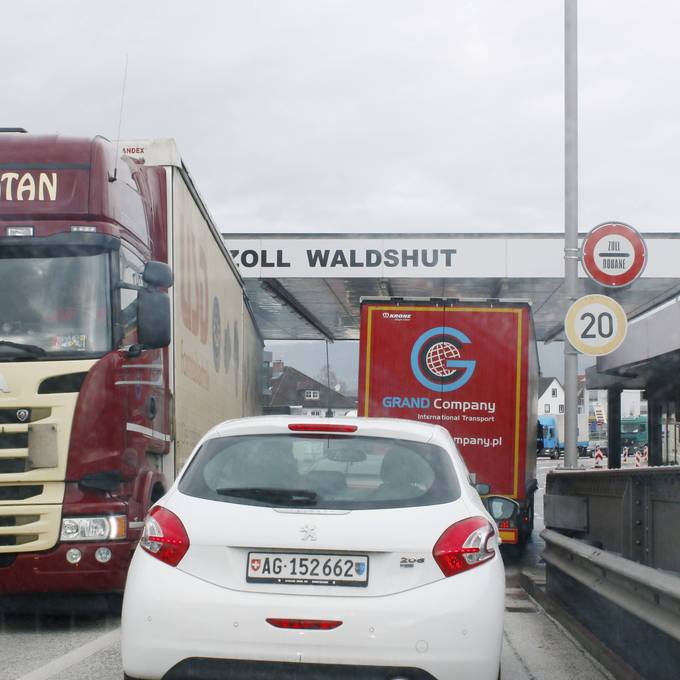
292,547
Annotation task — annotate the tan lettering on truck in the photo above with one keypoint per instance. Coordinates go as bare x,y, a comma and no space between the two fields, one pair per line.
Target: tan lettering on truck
27,187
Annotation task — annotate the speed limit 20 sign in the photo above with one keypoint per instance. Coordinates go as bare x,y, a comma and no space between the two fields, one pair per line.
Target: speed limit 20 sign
595,325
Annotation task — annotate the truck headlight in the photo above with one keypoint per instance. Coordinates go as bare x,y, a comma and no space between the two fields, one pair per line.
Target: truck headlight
108,528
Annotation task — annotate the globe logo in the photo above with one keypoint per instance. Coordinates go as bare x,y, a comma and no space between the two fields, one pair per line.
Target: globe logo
436,359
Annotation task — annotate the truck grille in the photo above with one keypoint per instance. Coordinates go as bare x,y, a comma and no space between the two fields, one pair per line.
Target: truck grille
20,492
17,521
10,466
14,440
31,528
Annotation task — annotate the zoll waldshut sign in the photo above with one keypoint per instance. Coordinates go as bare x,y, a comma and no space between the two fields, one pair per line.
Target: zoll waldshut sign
614,254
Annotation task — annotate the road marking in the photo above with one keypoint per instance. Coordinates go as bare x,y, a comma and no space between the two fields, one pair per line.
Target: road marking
49,670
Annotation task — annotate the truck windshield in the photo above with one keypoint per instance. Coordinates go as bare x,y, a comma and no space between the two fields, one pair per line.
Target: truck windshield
632,428
54,307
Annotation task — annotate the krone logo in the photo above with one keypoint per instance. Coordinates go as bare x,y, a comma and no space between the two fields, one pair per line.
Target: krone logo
436,359
22,415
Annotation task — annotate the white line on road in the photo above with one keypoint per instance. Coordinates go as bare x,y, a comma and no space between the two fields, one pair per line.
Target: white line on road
73,657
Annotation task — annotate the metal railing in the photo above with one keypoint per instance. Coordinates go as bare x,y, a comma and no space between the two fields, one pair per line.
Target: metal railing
634,513
613,560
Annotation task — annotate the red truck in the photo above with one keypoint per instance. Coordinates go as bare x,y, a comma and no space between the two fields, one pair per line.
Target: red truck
471,367
109,373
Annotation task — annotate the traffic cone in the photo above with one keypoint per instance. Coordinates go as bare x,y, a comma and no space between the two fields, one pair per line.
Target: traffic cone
598,457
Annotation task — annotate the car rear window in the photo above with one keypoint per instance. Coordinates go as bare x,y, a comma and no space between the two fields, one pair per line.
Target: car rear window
321,471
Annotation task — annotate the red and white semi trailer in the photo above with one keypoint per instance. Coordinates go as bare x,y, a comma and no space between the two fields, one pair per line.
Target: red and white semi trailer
471,367
109,371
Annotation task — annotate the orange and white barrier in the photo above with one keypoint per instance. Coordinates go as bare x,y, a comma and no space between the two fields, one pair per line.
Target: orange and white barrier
598,457
638,458
625,454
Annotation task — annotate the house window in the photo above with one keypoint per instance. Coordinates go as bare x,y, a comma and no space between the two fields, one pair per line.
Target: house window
561,408
312,394
546,408
554,391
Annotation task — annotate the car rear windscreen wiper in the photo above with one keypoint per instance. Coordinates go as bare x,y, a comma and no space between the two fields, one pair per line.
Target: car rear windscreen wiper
273,495
30,349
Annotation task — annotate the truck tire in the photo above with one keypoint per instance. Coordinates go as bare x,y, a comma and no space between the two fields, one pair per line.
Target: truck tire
114,603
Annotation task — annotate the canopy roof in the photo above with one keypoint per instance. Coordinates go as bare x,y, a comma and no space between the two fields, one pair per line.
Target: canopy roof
306,286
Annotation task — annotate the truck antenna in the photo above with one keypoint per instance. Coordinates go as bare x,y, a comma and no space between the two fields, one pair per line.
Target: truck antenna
120,120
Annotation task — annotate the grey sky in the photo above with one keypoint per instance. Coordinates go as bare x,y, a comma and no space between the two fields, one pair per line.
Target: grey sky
313,115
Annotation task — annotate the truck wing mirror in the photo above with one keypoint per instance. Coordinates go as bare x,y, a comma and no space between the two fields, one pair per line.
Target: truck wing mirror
157,274
153,319
483,489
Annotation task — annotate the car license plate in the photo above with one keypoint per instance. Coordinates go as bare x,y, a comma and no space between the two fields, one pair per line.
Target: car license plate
316,569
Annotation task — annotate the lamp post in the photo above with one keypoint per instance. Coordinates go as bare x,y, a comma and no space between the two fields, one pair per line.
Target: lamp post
571,253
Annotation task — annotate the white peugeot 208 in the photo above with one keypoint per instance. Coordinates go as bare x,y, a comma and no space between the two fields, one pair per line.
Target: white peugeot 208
317,548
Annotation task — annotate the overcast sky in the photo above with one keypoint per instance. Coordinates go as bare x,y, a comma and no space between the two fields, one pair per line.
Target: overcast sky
323,115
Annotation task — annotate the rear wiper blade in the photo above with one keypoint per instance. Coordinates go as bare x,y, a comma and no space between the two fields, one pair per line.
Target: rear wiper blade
31,349
275,495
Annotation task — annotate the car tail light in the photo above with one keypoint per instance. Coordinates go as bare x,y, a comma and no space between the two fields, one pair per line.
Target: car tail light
164,536
304,624
465,545
321,427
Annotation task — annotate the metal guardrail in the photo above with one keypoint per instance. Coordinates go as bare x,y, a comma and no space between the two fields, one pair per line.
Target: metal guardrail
645,593
613,560
634,513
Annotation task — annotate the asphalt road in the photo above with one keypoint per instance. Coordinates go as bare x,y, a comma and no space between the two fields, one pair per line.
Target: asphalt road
77,648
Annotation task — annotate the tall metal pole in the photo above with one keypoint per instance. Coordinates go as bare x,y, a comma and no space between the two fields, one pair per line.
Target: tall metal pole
570,222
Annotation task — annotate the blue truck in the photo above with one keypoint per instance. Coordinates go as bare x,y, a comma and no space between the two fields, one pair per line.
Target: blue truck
550,436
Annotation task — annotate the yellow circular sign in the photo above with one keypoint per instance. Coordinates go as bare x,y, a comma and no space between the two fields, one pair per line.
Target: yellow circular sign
596,325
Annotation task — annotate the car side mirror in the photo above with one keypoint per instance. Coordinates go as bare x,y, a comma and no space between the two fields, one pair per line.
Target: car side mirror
153,319
483,489
157,274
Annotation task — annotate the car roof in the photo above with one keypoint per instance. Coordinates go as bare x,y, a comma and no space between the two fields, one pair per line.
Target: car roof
396,428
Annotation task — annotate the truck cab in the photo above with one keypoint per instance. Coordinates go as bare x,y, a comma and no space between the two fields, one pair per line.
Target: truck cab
84,329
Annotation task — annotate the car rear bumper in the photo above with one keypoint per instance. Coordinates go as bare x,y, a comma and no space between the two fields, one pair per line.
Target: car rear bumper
451,628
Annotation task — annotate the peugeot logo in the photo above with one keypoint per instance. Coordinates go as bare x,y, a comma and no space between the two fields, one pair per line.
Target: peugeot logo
308,532
4,387
23,414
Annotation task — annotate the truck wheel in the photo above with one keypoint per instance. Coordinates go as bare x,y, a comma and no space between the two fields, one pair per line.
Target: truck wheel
114,603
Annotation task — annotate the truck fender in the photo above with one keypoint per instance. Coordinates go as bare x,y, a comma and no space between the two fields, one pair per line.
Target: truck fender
152,485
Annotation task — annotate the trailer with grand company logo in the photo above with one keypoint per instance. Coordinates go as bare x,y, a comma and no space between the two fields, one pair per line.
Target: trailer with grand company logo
471,367
110,371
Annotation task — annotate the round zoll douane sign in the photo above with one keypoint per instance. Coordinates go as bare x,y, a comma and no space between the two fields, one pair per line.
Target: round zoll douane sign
595,325
613,254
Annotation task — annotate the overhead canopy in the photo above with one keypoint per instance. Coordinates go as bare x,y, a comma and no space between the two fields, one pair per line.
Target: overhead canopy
648,357
305,286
